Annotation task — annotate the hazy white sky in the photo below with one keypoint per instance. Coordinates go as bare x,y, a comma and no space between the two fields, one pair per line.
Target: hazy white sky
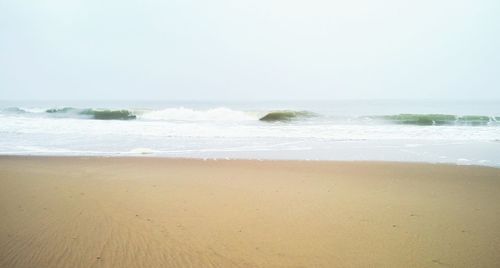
260,49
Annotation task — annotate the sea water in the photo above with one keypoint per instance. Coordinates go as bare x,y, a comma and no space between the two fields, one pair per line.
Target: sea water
459,132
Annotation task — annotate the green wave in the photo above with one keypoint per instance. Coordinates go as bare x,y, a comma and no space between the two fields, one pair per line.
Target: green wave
291,115
109,114
439,119
285,116
95,113
477,120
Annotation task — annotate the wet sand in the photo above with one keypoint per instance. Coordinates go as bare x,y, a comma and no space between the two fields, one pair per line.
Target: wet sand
154,212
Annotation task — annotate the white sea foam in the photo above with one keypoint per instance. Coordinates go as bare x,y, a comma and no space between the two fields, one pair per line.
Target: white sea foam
185,114
143,151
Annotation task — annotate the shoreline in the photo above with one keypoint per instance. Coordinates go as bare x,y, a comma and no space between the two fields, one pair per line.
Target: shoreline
176,158
156,212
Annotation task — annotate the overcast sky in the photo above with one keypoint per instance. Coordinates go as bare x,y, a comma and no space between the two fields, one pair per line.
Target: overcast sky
249,50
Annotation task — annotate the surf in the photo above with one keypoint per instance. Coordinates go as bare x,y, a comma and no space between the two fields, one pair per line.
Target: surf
285,116
439,119
98,114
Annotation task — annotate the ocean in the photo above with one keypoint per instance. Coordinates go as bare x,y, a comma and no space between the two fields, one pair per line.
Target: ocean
456,132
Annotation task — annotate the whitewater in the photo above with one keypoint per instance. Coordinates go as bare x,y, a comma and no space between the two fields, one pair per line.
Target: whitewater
437,132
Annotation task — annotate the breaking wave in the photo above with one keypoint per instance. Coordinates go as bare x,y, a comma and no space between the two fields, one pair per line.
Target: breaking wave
285,116
439,119
169,114
109,114
98,114
61,110
185,114
223,114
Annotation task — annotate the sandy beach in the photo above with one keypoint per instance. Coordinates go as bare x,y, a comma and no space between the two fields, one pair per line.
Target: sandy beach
157,212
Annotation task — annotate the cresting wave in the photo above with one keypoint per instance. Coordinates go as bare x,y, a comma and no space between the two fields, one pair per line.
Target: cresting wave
284,116
225,114
406,119
168,114
439,119
95,113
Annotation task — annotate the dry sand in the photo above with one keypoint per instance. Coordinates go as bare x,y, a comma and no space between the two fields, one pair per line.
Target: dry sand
152,212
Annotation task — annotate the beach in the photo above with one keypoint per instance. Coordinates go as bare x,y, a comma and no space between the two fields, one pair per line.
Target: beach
166,212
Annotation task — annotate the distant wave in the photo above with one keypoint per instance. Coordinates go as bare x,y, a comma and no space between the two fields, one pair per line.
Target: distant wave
110,114
169,114
285,116
14,110
439,119
21,110
95,113
60,110
223,114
